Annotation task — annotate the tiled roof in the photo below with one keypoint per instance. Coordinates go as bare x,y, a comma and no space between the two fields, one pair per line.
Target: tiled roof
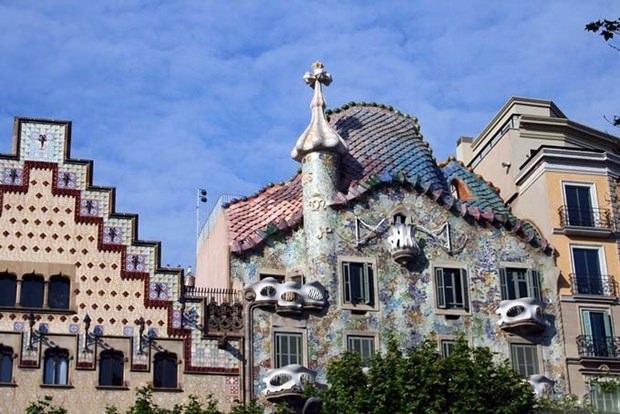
384,146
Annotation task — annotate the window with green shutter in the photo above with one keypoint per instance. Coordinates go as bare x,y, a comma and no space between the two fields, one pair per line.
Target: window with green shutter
362,345
524,359
288,349
451,288
358,283
516,283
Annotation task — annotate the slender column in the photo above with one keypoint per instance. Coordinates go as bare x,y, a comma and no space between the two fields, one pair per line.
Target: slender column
45,291
18,292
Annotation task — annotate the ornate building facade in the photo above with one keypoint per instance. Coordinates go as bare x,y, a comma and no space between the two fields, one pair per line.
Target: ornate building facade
373,238
563,177
87,314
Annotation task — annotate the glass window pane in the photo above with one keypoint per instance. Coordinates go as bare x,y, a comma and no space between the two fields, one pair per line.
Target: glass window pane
525,359
362,345
32,291
8,286
288,349
58,292
111,368
6,365
165,370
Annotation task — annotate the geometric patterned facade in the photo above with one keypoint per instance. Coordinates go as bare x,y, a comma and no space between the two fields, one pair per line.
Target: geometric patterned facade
54,220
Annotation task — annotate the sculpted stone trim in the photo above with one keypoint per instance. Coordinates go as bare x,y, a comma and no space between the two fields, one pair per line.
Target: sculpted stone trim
287,381
523,313
289,296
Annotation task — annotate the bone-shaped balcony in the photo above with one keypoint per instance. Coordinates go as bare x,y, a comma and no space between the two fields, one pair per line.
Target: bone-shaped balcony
286,297
524,314
403,245
287,382
541,384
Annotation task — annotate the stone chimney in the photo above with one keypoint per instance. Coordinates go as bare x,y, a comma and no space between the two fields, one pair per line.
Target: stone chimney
318,149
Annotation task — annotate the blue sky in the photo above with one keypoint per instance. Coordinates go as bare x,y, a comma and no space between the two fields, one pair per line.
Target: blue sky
170,96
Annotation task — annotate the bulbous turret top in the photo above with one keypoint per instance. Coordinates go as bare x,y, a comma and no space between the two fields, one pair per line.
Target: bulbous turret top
319,135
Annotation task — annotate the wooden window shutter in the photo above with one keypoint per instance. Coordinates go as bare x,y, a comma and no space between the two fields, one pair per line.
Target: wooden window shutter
441,291
503,283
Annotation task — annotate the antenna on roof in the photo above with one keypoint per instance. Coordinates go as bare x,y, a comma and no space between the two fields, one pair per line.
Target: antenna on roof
201,198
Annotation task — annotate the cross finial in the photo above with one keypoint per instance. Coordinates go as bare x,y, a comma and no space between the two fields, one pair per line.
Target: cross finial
317,73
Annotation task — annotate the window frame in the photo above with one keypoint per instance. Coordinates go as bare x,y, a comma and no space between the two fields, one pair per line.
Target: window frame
170,355
123,368
32,275
531,274
59,354
538,356
289,331
465,290
590,185
372,336
7,352
52,279
11,275
374,294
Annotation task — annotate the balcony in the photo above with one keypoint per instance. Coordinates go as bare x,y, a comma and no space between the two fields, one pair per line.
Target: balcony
287,382
403,245
603,285
585,222
590,346
523,315
287,297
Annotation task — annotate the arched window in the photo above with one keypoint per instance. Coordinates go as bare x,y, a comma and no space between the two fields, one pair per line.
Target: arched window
56,366
58,292
111,364
8,287
165,370
6,364
32,291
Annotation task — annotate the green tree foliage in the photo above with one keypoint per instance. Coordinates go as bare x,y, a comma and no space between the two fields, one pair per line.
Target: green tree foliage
423,381
44,406
608,29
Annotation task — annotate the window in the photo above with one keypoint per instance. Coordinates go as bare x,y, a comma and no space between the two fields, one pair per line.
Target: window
399,218
596,327
362,345
56,367
587,268
451,285
297,278
603,400
519,283
32,291
165,370
447,347
579,205
358,283
6,365
111,366
8,289
524,359
288,349
58,292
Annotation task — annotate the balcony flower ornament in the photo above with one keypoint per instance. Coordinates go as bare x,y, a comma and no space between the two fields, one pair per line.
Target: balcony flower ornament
523,313
403,244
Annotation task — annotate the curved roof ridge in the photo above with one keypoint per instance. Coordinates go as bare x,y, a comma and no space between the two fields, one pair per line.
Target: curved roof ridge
390,108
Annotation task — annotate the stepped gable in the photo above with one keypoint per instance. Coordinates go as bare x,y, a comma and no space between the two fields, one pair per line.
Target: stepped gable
380,141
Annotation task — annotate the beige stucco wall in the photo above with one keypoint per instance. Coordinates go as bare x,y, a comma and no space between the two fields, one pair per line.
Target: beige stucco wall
212,256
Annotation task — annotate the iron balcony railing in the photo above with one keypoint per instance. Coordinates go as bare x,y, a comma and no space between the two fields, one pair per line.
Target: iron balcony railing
598,346
601,285
599,218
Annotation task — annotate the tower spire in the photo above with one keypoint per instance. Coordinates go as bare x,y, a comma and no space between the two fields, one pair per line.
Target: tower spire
319,135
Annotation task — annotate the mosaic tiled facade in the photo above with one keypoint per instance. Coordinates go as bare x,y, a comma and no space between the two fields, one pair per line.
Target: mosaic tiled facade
54,221
376,199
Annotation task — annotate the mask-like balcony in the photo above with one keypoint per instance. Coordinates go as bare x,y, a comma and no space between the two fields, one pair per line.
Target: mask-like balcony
541,384
593,346
523,315
403,245
598,285
287,382
288,296
586,221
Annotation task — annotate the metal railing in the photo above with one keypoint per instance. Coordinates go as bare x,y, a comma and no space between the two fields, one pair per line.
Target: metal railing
218,296
598,346
601,285
599,218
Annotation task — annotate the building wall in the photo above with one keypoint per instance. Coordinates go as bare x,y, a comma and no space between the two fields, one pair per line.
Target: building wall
212,262
53,220
405,295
